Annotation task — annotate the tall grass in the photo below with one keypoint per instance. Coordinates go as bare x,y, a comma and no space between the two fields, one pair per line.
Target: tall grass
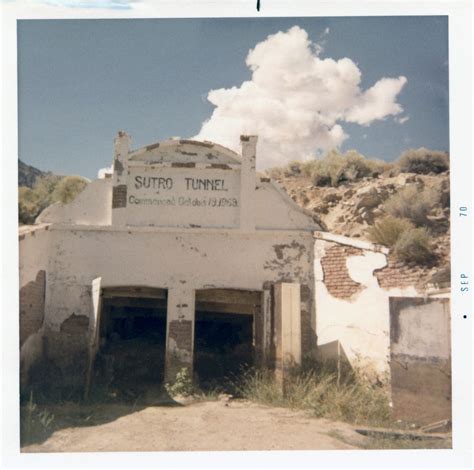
349,398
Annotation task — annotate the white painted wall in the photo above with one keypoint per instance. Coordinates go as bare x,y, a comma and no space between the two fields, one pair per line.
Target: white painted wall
193,259
238,201
93,206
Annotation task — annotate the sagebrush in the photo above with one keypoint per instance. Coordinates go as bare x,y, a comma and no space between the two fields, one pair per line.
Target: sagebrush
414,245
388,230
423,161
333,169
412,203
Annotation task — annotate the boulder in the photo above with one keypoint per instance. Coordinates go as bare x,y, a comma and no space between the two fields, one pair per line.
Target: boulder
332,196
368,199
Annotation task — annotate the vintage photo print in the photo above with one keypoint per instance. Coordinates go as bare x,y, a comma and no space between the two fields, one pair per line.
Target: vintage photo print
236,230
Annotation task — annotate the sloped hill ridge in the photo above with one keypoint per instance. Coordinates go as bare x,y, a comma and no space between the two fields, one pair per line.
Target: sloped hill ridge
28,175
353,206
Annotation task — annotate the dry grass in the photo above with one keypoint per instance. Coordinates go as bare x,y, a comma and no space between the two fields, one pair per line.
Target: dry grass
349,398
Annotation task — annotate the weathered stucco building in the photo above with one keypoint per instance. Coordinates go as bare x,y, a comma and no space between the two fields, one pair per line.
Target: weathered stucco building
185,242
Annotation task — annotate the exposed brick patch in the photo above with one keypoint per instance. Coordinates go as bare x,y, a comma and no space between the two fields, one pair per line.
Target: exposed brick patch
183,165
220,166
152,146
119,196
32,306
336,275
182,333
399,275
195,142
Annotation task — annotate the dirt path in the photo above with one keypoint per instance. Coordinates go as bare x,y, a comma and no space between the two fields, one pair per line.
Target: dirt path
210,425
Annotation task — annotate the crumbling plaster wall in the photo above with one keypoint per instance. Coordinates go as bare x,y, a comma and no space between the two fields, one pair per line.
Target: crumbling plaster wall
34,245
352,310
420,358
179,261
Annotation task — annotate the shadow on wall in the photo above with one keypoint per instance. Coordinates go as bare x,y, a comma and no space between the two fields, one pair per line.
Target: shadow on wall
334,353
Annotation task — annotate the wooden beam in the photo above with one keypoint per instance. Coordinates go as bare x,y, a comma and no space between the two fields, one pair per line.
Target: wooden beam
226,308
230,296
135,302
134,291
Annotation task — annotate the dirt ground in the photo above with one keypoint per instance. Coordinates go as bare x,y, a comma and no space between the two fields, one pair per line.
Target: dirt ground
200,426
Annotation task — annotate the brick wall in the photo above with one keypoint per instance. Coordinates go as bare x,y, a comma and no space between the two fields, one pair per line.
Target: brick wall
32,306
336,275
119,196
181,332
400,275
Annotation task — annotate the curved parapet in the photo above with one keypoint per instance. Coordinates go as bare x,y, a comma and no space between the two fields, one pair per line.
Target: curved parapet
185,152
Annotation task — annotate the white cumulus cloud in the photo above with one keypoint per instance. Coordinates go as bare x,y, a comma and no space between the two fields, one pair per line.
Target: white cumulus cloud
101,174
296,101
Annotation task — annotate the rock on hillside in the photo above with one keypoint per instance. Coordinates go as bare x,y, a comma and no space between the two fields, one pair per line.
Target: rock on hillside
27,174
352,207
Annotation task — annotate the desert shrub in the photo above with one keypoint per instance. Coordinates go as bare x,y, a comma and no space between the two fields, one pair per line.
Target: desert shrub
348,398
414,245
47,190
294,168
28,205
275,172
335,168
378,167
388,230
423,161
68,189
412,203
183,384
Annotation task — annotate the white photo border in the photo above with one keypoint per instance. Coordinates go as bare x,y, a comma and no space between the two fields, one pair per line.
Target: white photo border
460,111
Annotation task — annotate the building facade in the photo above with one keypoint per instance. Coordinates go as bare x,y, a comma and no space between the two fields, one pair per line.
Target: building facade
184,241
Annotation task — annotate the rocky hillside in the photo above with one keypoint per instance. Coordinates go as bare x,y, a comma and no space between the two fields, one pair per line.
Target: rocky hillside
28,175
352,207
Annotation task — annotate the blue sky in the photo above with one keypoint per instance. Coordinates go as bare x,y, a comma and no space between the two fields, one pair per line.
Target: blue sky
80,81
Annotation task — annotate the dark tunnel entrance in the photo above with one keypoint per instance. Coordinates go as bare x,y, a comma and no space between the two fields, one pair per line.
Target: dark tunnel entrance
131,355
224,341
